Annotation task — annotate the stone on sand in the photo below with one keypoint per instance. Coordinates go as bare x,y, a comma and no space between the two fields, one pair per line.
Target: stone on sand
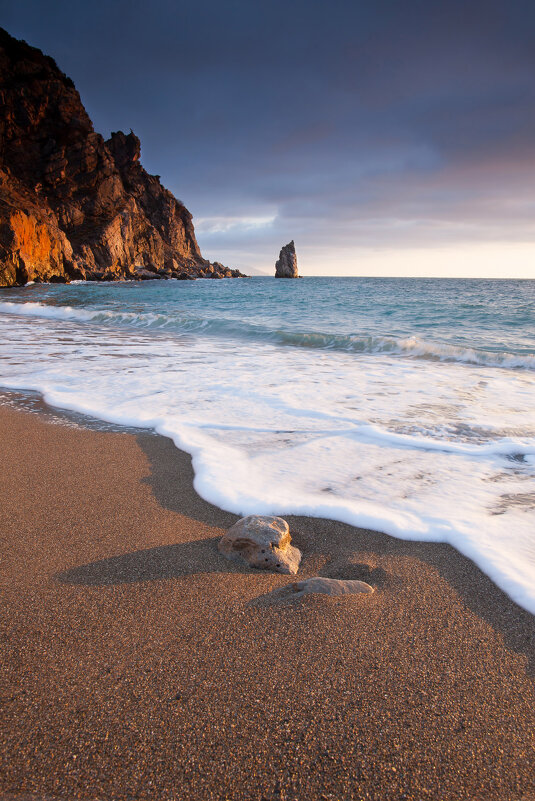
329,586
262,541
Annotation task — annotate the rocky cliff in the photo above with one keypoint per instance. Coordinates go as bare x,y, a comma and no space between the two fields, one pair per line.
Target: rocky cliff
73,205
286,265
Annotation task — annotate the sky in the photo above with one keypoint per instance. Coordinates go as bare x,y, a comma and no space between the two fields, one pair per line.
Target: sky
386,137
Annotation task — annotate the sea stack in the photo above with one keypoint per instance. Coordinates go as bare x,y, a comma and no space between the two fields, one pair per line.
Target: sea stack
286,266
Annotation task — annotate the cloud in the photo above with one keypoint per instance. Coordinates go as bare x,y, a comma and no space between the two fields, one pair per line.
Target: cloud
222,225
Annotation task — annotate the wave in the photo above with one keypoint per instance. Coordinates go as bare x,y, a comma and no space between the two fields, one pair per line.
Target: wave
412,346
407,346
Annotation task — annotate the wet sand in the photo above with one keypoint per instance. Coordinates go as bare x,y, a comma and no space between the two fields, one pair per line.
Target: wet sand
137,663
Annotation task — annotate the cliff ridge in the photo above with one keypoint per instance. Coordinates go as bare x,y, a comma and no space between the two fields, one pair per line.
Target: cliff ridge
73,205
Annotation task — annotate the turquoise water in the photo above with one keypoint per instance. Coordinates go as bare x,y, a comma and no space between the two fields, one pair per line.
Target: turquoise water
404,405
486,315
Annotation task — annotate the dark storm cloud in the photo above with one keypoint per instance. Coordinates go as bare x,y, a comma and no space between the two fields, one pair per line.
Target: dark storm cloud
402,123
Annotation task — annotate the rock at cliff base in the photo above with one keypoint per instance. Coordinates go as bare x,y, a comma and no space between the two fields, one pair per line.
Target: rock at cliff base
286,266
329,586
262,542
145,275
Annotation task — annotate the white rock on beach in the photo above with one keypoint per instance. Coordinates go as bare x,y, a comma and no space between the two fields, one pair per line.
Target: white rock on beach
262,541
329,586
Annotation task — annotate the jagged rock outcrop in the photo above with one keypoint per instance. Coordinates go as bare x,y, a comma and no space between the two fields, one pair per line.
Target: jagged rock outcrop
73,205
286,266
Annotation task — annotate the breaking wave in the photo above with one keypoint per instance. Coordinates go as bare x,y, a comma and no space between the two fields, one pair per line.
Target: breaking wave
411,347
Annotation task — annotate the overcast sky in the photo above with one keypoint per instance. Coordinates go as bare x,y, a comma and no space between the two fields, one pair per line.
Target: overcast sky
385,137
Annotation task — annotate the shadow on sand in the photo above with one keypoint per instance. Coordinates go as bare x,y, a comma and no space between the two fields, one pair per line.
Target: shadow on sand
171,480
163,562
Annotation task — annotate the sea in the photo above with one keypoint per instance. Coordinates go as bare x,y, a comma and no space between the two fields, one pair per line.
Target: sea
401,405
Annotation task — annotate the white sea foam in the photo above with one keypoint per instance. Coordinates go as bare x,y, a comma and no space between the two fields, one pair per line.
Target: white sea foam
420,449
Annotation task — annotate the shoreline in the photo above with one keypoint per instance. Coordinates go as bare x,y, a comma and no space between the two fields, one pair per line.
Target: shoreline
141,664
32,400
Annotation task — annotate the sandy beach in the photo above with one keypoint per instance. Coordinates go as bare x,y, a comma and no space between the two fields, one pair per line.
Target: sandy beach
137,663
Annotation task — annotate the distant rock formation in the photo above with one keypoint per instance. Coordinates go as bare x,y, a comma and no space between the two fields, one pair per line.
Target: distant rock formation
262,541
286,266
72,205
